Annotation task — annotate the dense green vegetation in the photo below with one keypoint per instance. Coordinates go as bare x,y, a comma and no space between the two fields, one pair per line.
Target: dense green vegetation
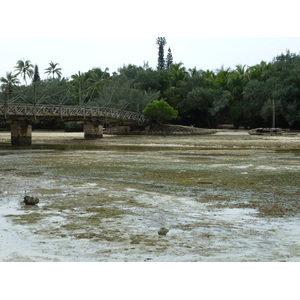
160,111
242,96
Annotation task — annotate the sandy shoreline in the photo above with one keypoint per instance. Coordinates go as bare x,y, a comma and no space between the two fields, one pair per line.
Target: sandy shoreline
46,134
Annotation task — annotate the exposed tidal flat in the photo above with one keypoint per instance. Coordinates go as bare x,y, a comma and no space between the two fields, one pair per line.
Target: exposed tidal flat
227,196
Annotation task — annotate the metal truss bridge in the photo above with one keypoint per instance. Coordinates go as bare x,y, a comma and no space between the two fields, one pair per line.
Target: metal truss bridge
41,112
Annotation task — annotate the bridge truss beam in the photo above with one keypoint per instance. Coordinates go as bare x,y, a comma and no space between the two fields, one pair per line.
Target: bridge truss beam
68,112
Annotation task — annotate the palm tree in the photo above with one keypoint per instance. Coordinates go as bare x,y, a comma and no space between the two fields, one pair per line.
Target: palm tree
97,79
193,72
223,76
209,77
260,71
24,68
178,74
238,80
80,87
53,69
7,84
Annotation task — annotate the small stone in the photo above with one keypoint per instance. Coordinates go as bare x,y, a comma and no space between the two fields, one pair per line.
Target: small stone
28,200
163,231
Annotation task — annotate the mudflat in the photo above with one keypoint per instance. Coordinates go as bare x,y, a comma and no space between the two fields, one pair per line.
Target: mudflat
227,196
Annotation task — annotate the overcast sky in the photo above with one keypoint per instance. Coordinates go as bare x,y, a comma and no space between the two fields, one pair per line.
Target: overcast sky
81,35
82,54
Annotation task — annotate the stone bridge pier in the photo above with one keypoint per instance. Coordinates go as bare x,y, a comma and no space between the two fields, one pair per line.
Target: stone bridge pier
93,130
21,133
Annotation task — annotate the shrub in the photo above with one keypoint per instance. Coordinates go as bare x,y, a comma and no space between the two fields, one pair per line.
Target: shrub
160,111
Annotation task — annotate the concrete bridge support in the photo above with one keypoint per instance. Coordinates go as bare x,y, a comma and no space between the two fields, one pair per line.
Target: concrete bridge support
93,130
21,133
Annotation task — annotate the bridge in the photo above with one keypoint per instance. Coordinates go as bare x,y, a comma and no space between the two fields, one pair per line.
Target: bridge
22,116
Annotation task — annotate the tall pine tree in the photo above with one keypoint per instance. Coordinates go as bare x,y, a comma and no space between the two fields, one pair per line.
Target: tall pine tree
35,82
36,76
161,42
169,60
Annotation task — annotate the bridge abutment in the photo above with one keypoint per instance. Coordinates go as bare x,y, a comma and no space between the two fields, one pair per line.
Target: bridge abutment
93,130
21,133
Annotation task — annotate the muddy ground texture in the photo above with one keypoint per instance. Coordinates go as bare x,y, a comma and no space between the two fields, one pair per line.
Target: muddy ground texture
226,196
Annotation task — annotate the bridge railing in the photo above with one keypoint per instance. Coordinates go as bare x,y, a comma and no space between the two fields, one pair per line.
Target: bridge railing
8,111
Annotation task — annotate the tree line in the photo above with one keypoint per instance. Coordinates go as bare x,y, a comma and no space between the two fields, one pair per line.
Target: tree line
242,96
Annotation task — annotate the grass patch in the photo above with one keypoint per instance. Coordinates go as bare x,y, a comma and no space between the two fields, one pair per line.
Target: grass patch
28,218
100,212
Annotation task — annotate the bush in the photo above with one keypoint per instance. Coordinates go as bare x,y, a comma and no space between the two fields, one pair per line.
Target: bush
160,111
